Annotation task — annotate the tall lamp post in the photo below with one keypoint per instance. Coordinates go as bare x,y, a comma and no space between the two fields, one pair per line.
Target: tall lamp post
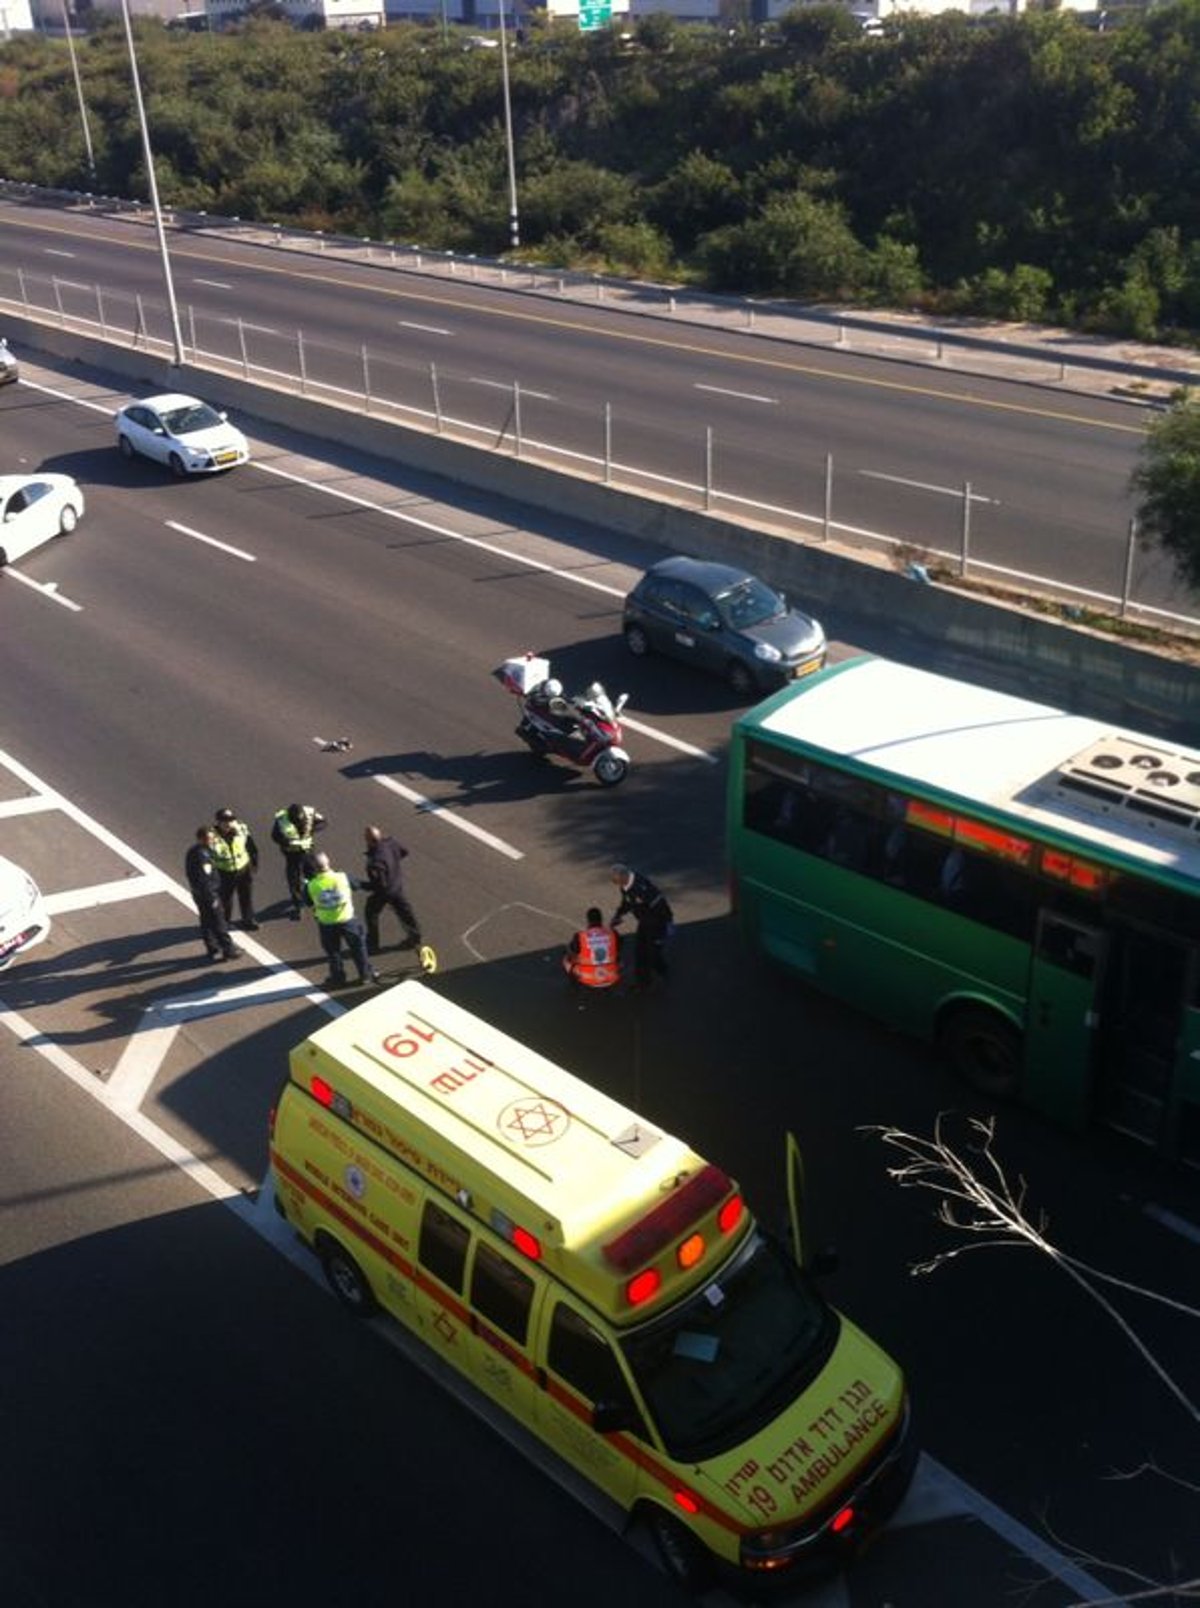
172,308
83,116
514,226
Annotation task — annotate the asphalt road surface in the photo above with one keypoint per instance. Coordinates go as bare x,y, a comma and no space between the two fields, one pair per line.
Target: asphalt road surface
187,1417
1047,471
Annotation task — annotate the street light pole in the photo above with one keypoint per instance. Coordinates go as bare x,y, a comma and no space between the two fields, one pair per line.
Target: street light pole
514,226
172,308
83,116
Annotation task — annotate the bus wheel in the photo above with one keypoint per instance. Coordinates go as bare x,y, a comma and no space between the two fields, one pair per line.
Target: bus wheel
685,1559
984,1050
346,1279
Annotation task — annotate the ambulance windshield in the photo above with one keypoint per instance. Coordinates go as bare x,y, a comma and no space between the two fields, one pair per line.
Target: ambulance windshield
717,1369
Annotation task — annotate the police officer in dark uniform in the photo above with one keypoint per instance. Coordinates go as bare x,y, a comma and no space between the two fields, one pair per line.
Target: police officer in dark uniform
648,906
205,882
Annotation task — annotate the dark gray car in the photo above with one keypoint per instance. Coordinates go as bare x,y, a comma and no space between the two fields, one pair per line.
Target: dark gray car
726,621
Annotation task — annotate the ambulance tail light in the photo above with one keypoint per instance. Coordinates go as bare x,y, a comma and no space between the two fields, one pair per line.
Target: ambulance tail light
685,1499
843,1521
643,1286
322,1092
730,1214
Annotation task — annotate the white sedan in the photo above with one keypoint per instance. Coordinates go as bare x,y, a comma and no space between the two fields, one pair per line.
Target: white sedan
33,508
186,434
23,918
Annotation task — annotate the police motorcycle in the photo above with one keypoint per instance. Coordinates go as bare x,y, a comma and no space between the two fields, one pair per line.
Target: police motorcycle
585,730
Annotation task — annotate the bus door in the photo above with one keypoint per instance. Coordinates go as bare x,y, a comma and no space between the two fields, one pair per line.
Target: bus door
584,1405
1142,1026
1061,1017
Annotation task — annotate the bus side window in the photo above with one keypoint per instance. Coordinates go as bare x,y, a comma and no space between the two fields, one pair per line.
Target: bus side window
583,1359
501,1293
442,1248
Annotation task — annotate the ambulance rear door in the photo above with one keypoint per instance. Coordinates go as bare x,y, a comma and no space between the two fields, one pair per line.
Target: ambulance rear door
584,1404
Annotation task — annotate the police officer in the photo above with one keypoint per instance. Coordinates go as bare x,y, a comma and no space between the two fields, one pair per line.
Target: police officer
384,887
293,830
329,893
648,906
593,955
205,882
236,855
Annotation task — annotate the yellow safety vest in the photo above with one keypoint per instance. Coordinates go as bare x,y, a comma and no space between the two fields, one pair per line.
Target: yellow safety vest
230,854
295,839
331,898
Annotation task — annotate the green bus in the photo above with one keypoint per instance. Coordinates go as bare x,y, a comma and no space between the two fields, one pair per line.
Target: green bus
1017,884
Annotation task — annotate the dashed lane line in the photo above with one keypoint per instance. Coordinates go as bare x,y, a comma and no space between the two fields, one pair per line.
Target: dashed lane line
429,806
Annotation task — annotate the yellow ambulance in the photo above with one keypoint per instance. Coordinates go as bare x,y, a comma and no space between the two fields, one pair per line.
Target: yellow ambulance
597,1278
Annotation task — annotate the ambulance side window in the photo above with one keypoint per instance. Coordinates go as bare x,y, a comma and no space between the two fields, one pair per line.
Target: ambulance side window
501,1293
583,1359
443,1245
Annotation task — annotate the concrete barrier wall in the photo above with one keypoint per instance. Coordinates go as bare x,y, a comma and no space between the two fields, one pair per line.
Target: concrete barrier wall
1006,647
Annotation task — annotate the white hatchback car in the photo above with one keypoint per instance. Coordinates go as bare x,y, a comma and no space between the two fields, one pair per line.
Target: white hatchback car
34,508
188,435
23,918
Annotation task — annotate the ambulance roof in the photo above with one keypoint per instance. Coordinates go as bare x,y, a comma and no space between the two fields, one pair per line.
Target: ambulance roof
507,1132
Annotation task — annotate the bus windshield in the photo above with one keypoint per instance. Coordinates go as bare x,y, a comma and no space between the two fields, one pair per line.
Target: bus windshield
715,1370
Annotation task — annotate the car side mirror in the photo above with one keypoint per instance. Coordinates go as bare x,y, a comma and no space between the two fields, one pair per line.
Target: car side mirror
621,702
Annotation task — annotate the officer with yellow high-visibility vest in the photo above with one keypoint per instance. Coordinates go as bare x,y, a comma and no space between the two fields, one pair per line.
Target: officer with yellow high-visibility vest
293,830
329,893
235,855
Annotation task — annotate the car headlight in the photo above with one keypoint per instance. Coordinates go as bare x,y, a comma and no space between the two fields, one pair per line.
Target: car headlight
764,650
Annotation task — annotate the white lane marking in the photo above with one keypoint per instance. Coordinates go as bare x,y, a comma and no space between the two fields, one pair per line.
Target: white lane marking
214,284
1017,1535
53,251
740,396
671,742
211,541
25,806
102,893
428,807
502,385
257,329
1171,1220
425,329
50,590
924,485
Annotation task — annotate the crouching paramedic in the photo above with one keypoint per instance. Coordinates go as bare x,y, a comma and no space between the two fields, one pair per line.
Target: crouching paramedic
593,955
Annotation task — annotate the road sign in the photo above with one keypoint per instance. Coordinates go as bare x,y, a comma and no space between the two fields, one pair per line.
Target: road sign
594,14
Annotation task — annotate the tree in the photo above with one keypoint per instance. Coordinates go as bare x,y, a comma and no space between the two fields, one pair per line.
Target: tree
1167,485
986,1209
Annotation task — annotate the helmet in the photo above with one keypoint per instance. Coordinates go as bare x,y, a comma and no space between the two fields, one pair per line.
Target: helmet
595,690
553,688
225,814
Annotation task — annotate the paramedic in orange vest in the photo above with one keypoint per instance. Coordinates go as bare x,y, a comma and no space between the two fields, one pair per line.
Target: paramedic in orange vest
592,956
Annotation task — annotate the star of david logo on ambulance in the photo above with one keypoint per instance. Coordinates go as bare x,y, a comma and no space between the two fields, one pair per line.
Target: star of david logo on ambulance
534,1121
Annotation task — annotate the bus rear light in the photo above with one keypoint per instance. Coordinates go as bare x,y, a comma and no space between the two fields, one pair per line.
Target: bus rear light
730,1214
690,1252
643,1286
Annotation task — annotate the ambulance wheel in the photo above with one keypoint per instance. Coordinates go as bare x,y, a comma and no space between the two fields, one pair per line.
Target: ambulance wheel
685,1559
347,1280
